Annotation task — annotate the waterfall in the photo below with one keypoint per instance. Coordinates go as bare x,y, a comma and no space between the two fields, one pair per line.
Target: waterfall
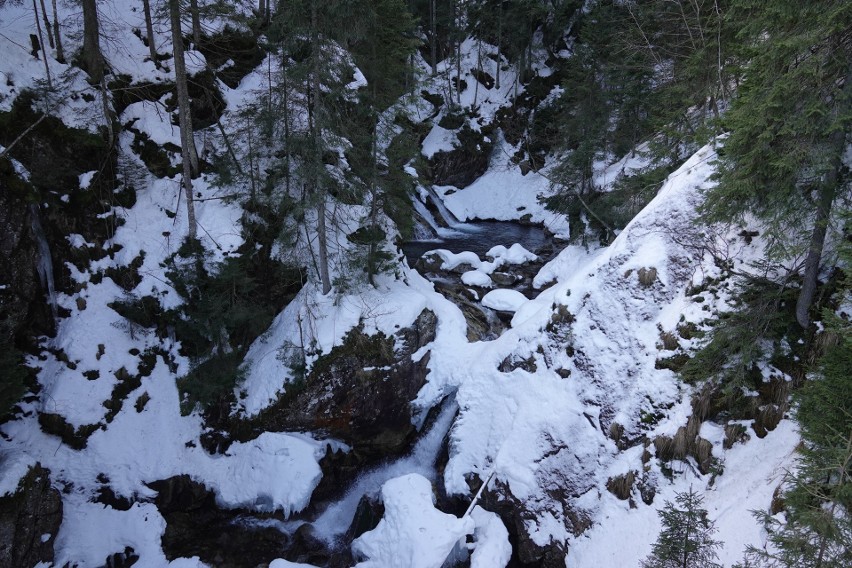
336,518
447,216
428,231
44,263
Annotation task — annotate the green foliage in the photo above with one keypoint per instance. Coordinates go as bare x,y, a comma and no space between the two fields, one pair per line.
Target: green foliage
753,333
795,97
686,539
207,383
817,531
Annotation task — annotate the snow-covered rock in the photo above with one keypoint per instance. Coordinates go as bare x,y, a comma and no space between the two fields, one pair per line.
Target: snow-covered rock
412,533
504,300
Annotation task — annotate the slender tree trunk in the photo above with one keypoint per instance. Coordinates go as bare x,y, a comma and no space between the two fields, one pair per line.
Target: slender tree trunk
93,59
47,25
149,30
322,237
499,41
60,53
809,279
433,38
43,50
187,142
322,233
196,22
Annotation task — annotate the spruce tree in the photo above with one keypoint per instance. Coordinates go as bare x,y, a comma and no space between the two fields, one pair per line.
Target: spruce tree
817,529
788,128
686,539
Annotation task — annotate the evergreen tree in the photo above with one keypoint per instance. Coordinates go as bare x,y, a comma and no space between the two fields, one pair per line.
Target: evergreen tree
686,539
788,128
817,531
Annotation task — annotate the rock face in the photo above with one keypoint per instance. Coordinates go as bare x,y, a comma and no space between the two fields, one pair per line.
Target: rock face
21,298
196,526
361,391
29,521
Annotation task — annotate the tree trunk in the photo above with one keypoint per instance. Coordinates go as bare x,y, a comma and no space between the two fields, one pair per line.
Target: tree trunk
43,50
809,279
60,53
828,191
149,30
93,59
322,235
499,42
187,143
196,22
47,25
433,39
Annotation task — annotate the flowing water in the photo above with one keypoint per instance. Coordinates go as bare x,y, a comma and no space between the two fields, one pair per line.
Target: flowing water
478,237
447,232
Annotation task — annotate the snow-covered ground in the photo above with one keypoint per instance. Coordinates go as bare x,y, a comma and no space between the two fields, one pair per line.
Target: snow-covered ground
541,431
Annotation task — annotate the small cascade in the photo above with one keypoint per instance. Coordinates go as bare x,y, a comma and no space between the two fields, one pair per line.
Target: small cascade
426,227
337,517
446,215
44,264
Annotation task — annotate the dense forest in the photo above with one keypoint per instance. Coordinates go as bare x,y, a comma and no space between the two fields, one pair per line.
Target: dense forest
204,209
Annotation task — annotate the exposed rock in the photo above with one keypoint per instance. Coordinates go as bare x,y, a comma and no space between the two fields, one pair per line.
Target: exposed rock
512,362
504,279
29,521
621,485
196,526
514,514
464,164
361,391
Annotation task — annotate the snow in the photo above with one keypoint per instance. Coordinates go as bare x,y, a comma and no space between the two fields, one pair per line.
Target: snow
438,140
504,300
503,193
412,531
476,278
515,254
544,437
491,540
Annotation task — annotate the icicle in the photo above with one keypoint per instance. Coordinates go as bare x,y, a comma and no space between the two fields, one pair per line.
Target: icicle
44,264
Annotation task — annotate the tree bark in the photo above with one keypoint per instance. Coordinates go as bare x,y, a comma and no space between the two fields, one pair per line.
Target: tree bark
93,59
433,38
43,50
149,30
196,21
47,25
187,142
60,53
322,234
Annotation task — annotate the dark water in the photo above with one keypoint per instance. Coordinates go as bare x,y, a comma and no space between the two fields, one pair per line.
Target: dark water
479,237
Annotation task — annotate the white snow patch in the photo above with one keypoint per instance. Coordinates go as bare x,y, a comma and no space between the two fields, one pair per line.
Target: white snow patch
504,300
412,532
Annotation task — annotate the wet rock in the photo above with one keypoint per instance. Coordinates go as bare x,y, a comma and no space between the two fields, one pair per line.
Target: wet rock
196,526
29,521
361,391
621,485
505,279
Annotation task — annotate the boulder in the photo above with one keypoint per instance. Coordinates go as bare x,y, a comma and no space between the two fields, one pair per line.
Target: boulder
361,391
